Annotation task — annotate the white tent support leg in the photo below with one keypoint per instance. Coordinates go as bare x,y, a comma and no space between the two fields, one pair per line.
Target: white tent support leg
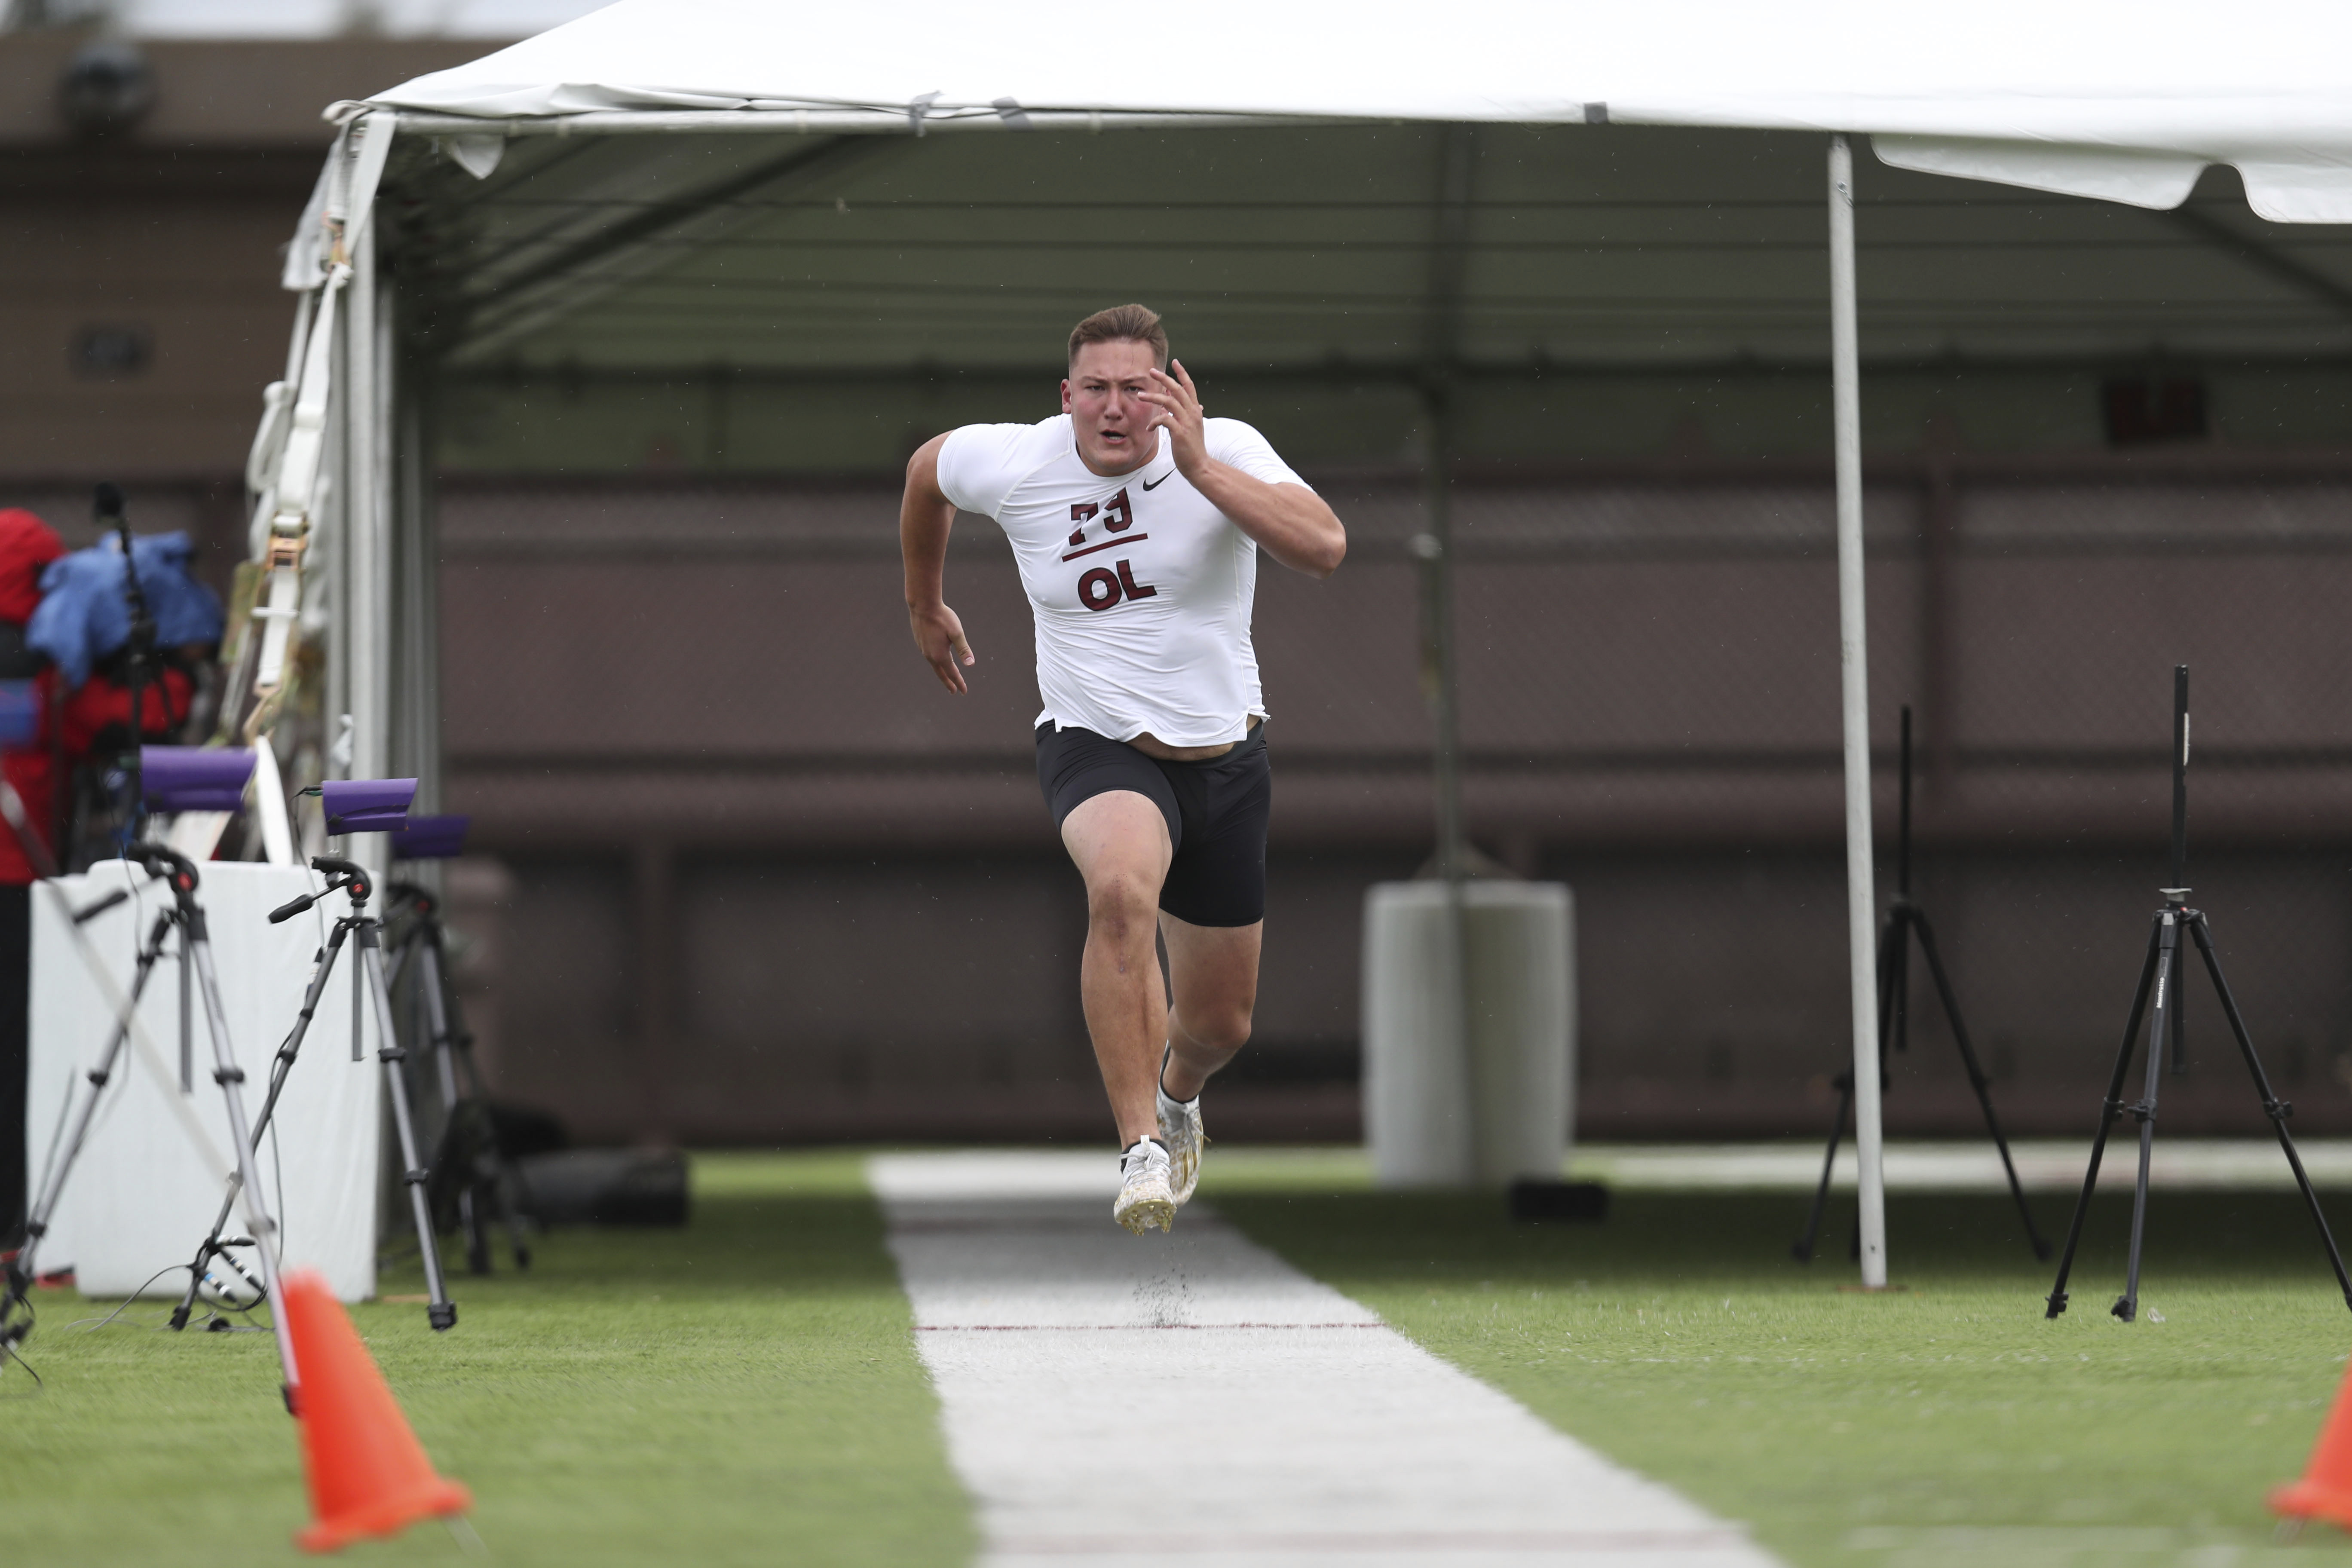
416,720
368,511
1854,647
327,587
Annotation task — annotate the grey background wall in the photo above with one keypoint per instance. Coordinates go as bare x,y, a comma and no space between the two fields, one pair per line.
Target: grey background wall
843,883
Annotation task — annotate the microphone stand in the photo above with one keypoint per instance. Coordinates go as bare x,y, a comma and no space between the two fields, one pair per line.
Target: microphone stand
139,657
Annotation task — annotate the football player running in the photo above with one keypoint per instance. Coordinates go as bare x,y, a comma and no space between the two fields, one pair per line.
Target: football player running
1136,522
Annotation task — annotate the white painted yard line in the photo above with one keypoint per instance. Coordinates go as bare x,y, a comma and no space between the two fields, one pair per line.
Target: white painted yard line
2043,1164
1946,1166
1111,1398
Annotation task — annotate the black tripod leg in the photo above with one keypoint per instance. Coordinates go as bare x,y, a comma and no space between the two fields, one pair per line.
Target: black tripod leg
1977,1079
2180,1028
2109,1109
2276,1109
1889,945
450,1165
2167,999
431,1015
205,1250
451,1026
187,1021
502,1195
1896,1009
1894,1015
1803,1251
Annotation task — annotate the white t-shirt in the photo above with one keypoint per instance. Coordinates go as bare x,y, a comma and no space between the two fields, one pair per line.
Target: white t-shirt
1141,586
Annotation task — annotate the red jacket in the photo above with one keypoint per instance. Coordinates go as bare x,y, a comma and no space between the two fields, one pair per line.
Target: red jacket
26,547
102,702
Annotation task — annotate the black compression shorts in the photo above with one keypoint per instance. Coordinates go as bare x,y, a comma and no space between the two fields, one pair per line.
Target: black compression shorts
1216,813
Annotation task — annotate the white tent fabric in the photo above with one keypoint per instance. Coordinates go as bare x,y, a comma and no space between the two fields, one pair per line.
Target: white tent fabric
2121,101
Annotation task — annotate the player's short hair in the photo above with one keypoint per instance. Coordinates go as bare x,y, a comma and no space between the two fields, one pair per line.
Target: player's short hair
1122,324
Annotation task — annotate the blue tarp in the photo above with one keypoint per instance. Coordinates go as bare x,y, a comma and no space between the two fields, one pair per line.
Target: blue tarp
84,615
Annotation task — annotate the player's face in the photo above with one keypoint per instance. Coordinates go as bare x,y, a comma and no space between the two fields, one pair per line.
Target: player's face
1104,398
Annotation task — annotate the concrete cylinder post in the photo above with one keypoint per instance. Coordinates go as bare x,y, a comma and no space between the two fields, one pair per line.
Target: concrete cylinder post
1474,1095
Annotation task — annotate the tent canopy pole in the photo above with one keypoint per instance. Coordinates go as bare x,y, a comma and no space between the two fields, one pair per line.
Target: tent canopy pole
1861,897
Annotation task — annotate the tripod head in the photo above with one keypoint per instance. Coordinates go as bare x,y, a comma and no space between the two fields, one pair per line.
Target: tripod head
345,876
420,899
175,871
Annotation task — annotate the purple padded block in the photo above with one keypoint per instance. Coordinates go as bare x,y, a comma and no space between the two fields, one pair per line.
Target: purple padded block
367,805
193,778
430,839
20,714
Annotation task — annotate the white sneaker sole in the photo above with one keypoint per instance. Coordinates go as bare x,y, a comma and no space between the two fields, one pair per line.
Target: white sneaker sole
1184,1136
1145,1204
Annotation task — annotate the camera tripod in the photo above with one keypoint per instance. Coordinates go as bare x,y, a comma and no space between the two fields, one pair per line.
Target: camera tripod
468,1170
2158,998
367,984
1905,920
186,916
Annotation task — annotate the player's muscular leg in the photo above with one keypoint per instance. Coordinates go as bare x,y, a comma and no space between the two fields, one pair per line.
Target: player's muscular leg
1120,842
1212,969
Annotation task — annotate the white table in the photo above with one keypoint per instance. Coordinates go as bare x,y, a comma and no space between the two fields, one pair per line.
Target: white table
143,1193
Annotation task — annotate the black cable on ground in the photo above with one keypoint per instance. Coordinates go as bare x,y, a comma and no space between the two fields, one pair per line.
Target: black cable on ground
9,1348
91,1325
8,1343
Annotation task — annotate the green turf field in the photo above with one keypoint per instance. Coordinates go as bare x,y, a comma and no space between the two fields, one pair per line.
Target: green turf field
742,1392
747,1390
1947,1424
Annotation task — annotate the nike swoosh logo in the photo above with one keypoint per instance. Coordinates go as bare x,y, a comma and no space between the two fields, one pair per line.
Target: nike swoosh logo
1162,480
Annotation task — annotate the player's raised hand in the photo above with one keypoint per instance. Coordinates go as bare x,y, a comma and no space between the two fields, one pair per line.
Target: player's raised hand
940,635
1181,415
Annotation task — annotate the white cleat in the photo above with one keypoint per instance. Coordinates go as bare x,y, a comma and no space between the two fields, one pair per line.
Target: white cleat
1144,1197
1181,1129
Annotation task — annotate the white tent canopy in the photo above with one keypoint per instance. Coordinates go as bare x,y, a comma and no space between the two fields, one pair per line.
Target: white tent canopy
2127,103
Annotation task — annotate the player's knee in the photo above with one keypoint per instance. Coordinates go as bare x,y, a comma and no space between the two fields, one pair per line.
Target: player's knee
1221,1029
1122,902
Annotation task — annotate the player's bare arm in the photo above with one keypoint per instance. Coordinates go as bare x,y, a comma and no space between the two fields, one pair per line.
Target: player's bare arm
1289,522
924,515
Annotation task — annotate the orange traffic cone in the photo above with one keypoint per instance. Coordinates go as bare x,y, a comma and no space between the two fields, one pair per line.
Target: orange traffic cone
368,1475
2325,1489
